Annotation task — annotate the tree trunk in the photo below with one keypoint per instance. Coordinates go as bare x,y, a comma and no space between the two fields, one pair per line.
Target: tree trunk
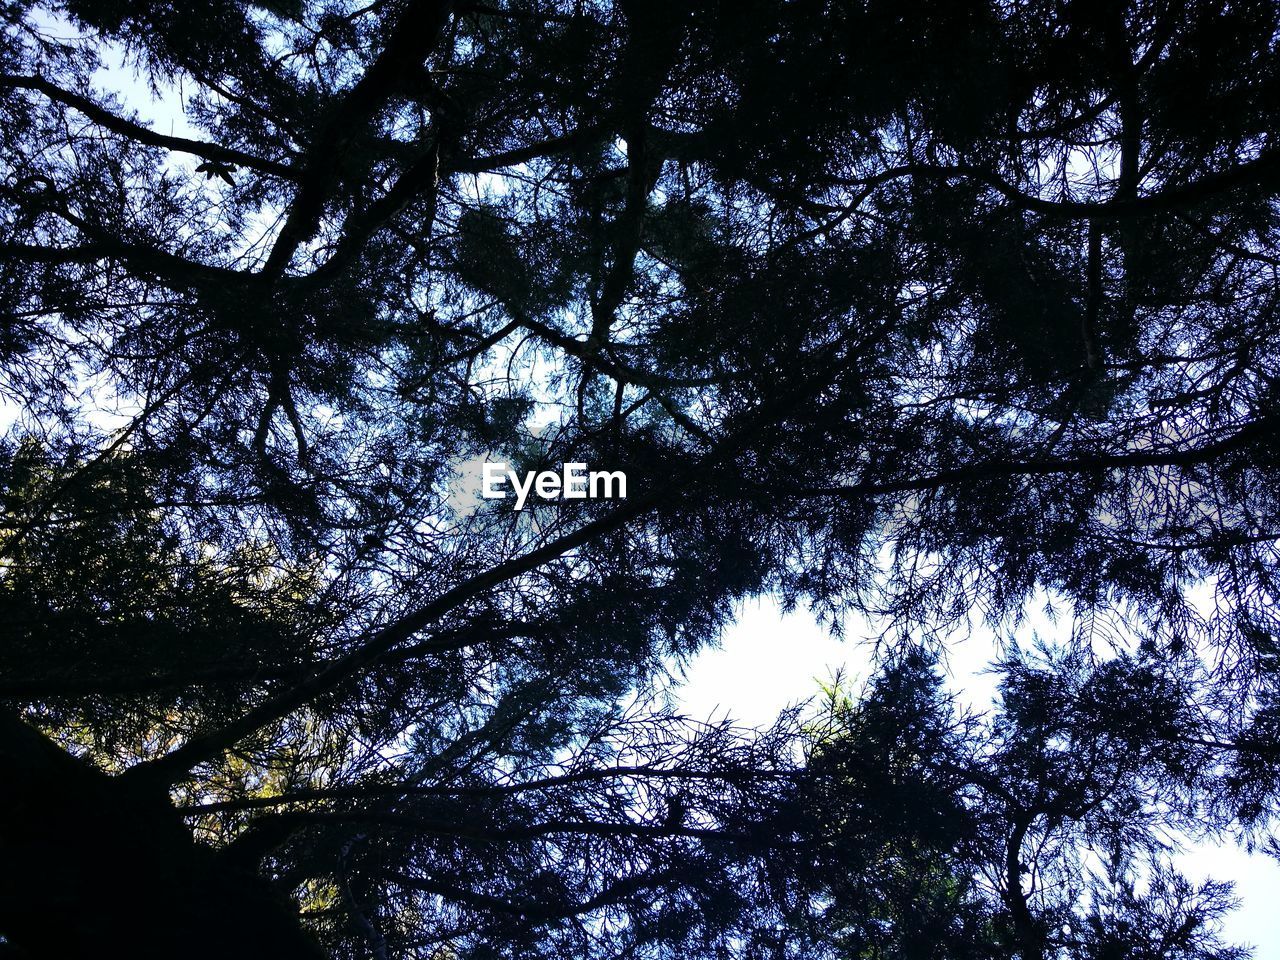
93,866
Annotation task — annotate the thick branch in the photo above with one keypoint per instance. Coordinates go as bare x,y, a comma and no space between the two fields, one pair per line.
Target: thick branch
410,40
1086,463
145,135
365,791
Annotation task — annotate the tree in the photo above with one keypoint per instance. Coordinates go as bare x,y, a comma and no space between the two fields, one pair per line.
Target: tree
914,311
1040,830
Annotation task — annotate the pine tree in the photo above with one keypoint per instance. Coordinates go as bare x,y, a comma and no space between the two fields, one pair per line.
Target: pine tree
926,312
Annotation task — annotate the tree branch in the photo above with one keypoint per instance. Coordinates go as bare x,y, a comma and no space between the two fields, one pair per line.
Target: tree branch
145,135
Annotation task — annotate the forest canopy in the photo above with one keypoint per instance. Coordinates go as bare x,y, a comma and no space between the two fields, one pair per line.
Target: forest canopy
921,316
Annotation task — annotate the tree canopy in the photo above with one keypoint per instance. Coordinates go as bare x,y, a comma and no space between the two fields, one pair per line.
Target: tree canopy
919,315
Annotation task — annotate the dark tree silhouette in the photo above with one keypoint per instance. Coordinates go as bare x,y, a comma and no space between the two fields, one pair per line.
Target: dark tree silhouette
1038,831
929,312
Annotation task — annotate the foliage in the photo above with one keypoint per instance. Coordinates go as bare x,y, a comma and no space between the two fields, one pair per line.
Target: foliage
918,314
